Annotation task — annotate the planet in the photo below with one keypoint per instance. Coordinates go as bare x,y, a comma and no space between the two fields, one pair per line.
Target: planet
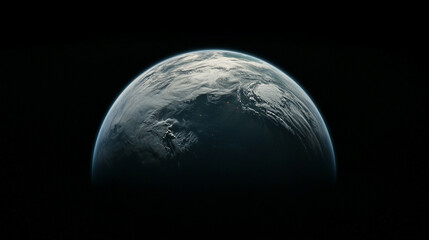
213,119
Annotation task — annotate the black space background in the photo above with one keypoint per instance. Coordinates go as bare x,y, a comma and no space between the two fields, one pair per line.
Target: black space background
56,87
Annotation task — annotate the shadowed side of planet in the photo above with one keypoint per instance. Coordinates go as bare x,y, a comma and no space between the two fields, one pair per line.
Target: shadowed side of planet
215,120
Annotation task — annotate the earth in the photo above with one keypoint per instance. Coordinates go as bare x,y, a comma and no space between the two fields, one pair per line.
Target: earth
213,119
